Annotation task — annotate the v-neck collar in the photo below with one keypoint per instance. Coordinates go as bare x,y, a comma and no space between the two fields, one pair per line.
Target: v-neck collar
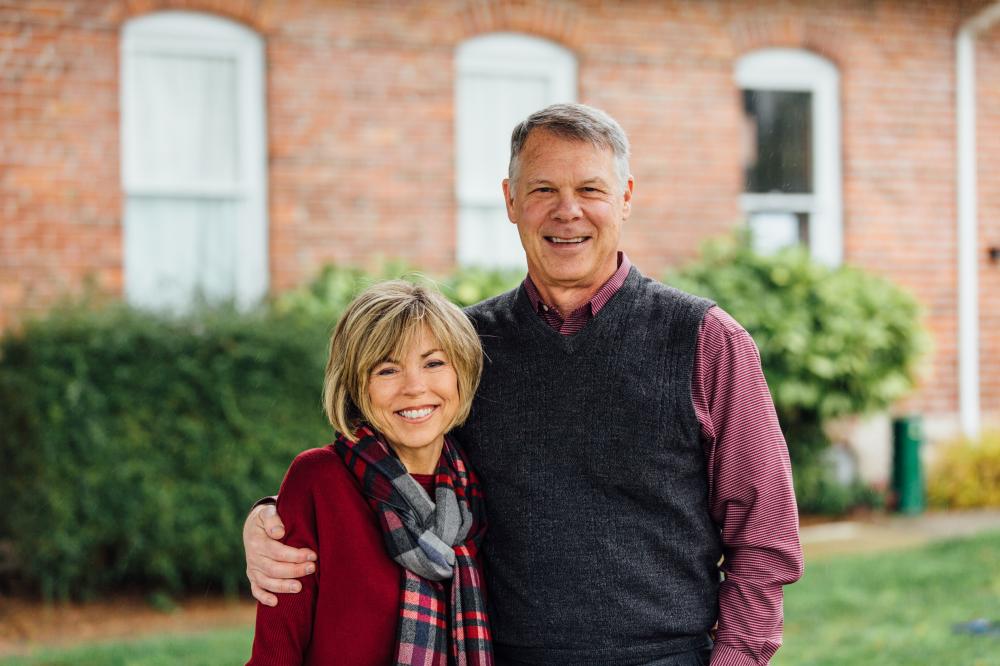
572,344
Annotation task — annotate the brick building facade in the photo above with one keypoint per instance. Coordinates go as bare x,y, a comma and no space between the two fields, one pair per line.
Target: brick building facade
360,137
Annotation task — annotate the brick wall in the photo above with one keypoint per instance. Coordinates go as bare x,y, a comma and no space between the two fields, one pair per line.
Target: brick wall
360,129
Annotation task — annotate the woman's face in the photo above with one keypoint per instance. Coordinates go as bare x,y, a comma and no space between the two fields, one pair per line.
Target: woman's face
414,398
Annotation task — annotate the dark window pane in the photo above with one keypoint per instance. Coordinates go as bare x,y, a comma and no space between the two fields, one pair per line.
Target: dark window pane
780,124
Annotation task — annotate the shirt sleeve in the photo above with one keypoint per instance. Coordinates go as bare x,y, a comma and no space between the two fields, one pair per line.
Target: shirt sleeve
751,499
283,632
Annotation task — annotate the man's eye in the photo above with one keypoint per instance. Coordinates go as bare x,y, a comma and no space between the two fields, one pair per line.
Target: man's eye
543,190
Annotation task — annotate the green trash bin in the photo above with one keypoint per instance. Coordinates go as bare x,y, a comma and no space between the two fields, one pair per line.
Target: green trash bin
907,472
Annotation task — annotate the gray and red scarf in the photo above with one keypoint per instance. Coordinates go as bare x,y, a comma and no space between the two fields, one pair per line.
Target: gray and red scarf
434,541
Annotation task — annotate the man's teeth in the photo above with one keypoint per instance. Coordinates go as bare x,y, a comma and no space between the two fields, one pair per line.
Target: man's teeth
415,413
578,239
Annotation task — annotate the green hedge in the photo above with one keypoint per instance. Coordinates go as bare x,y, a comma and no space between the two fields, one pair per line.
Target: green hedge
133,445
833,341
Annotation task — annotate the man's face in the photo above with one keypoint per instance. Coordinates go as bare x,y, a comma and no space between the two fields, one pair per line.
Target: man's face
569,205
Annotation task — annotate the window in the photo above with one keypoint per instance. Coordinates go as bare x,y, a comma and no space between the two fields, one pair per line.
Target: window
193,161
501,79
792,186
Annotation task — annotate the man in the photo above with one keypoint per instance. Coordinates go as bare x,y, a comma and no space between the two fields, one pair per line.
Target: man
625,438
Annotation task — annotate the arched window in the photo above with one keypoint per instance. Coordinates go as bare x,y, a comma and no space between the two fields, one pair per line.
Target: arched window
193,161
501,79
792,190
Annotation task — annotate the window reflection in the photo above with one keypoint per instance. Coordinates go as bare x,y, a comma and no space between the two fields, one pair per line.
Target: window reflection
779,126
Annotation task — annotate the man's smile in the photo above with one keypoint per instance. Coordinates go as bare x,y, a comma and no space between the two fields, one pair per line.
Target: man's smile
567,241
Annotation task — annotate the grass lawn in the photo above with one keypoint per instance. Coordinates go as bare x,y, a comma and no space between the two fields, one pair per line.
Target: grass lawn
896,608
216,648
885,609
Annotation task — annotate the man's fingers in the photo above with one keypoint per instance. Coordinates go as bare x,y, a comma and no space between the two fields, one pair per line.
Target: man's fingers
274,569
278,551
271,522
262,595
261,584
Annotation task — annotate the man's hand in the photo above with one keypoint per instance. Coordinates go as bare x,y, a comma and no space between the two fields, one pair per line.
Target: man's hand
270,564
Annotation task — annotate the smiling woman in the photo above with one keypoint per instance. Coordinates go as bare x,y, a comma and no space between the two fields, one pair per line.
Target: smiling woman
392,509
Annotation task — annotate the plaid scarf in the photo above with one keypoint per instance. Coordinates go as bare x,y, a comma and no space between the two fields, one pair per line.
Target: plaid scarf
433,541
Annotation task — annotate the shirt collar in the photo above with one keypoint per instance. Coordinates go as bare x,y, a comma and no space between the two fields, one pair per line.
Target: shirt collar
597,301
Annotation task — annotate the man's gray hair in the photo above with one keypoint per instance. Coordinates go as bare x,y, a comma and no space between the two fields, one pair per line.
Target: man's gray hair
576,122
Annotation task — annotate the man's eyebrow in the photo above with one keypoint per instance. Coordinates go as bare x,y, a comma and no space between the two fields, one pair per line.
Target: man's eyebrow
538,181
595,180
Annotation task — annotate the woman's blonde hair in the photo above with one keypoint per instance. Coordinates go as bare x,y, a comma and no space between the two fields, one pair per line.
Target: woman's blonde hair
378,325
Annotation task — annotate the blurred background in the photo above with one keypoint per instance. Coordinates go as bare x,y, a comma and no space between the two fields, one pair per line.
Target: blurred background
191,191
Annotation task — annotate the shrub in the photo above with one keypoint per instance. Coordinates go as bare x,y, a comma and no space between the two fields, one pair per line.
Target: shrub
967,475
833,342
817,491
328,294
133,445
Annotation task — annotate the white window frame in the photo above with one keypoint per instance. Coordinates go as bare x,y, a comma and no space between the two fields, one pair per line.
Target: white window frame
187,33
500,54
795,70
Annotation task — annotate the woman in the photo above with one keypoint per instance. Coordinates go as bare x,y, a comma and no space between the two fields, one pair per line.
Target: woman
391,508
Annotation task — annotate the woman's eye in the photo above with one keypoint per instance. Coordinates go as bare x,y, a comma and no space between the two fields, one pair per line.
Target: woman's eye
435,363
385,372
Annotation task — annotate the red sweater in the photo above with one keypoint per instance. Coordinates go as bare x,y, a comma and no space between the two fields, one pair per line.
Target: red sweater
347,612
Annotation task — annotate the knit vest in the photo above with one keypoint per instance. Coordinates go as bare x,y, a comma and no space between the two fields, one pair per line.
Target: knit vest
600,548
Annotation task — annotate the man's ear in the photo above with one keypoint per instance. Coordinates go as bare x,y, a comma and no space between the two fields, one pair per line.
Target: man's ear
627,196
508,199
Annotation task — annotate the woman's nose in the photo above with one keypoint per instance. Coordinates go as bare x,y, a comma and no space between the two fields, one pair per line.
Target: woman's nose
413,383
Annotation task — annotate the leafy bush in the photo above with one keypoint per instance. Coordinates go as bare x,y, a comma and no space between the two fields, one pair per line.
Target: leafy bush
833,342
133,445
817,491
967,475
329,293
469,285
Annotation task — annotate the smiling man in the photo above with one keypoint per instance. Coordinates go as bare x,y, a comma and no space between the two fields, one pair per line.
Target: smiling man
625,438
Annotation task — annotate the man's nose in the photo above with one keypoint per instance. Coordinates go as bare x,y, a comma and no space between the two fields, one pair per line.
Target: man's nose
567,208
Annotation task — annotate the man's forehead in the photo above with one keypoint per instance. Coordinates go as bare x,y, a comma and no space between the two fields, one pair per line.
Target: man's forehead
543,137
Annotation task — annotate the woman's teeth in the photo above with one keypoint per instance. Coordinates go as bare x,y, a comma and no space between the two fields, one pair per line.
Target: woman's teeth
415,413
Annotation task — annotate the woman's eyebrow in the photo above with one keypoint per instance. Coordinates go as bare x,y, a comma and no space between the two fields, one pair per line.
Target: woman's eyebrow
429,352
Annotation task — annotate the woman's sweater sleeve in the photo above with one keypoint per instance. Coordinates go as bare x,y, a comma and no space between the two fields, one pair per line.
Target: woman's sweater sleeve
283,632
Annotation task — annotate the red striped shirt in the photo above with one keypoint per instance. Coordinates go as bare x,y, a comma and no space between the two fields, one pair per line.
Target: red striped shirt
749,475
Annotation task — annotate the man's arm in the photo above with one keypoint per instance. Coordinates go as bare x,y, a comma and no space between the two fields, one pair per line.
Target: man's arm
271,565
750,491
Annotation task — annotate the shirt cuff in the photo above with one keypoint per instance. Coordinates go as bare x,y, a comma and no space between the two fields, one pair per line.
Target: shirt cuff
723,655
273,499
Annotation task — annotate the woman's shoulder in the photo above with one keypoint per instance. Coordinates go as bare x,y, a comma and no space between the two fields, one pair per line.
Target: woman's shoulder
315,466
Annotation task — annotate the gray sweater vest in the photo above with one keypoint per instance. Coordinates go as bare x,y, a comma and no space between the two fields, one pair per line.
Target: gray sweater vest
600,548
